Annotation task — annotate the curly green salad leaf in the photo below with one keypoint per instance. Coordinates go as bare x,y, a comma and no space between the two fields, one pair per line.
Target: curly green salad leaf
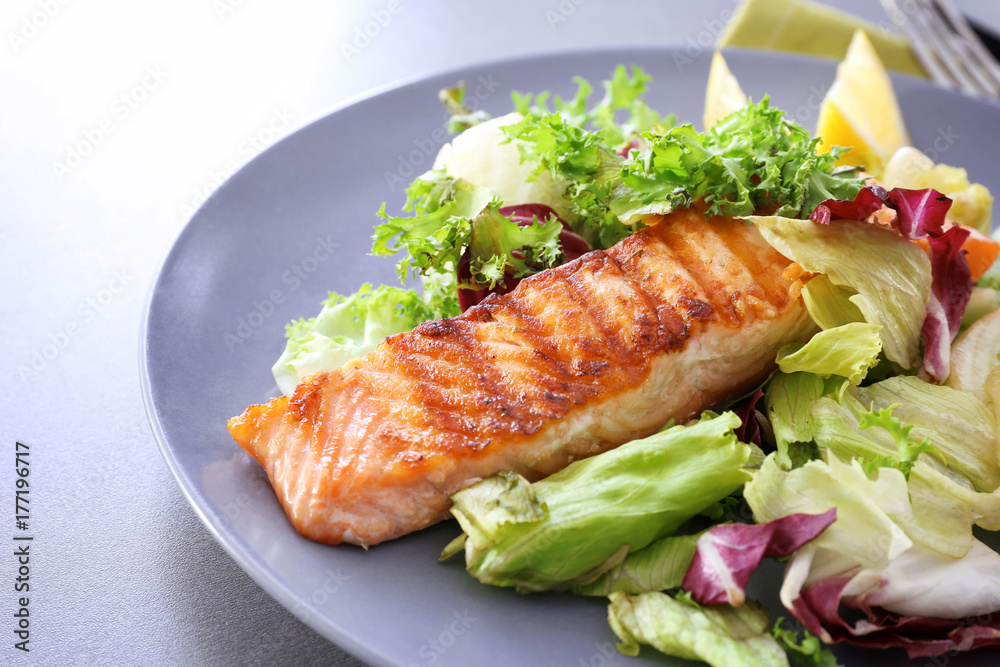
751,159
568,155
462,117
624,92
456,214
584,162
569,528
582,147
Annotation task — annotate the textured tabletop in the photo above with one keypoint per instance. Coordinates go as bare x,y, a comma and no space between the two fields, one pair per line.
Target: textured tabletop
117,120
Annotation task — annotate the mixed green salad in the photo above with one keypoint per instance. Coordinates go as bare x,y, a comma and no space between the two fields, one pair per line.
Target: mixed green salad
869,459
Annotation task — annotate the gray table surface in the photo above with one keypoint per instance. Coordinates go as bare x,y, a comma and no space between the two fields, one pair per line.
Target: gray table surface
117,119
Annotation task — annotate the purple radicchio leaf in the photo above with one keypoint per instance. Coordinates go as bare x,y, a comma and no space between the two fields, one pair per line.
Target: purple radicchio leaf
951,288
919,213
726,555
750,419
818,608
868,200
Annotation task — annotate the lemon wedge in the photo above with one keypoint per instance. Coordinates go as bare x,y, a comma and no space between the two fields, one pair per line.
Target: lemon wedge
861,111
971,203
804,26
723,95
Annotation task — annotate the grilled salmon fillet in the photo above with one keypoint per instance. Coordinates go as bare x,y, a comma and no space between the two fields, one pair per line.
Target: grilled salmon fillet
576,360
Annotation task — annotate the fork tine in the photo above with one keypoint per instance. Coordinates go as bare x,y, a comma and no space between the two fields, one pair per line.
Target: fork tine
983,66
946,45
919,43
948,51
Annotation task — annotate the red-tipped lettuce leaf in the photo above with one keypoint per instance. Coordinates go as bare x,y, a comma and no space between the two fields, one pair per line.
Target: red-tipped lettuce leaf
728,554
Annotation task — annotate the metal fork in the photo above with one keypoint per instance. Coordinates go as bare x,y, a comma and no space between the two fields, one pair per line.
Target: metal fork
946,45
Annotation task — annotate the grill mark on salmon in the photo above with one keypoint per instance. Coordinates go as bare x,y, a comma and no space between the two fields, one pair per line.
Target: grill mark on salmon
576,360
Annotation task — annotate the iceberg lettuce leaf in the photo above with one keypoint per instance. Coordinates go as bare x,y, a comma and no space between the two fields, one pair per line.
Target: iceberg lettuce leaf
961,427
830,305
847,351
892,276
867,510
722,636
789,399
347,327
601,508
657,567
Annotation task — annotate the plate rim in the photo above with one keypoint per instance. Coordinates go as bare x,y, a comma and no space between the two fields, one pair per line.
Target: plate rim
264,576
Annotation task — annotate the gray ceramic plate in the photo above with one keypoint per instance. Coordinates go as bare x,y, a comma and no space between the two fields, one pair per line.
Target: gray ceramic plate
295,223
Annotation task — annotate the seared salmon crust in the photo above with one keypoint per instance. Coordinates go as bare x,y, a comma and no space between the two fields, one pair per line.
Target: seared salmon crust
575,361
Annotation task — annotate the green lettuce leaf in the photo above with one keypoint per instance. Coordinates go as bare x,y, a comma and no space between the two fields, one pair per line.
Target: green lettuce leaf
789,399
848,351
890,275
599,509
944,504
868,511
866,555
941,439
347,327
657,567
830,305
961,428
720,635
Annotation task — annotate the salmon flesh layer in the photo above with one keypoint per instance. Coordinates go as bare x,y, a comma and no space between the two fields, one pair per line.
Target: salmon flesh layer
575,361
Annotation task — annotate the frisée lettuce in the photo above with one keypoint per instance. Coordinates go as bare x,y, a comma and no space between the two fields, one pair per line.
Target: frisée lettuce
751,159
